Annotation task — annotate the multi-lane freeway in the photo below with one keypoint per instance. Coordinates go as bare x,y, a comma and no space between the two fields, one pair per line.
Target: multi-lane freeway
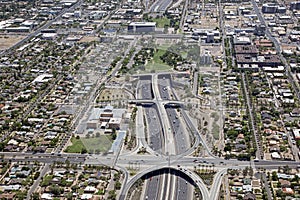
182,189
160,5
165,135
169,134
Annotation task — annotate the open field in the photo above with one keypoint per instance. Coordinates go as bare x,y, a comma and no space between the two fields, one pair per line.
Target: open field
89,39
7,41
101,144
161,22
109,94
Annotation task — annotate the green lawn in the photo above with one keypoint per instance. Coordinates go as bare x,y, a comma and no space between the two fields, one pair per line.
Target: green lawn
164,46
102,144
157,55
76,146
156,63
161,22
184,55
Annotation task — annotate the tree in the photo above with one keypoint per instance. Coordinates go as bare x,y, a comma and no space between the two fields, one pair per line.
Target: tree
69,196
67,164
250,171
286,169
35,196
245,171
20,195
114,135
84,150
118,185
274,176
55,189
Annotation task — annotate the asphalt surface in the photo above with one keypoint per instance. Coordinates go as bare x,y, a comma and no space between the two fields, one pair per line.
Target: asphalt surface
160,5
145,88
181,188
155,131
155,136
153,184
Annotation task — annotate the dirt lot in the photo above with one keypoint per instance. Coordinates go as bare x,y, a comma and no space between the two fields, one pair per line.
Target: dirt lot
89,39
214,50
7,41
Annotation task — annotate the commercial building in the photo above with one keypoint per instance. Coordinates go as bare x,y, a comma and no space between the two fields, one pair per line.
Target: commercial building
114,123
246,49
20,29
142,27
273,8
295,5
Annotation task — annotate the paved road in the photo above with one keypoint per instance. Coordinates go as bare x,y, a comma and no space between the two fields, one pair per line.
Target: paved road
160,5
177,188
277,47
155,135
155,130
144,89
259,152
45,26
36,183
265,183
152,186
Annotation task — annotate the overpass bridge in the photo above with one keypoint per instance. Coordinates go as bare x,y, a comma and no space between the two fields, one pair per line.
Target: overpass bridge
194,178
151,102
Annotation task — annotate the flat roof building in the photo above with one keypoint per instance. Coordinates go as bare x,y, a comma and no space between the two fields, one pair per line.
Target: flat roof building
114,123
142,27
296,133
295,5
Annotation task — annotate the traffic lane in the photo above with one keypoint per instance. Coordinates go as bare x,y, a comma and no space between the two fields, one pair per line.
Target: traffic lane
159,6
151,190
163,90
184,189
181,141
152,187
145,89
163,191
46,160
154,129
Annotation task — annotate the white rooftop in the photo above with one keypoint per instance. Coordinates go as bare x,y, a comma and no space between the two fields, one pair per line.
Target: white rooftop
142,24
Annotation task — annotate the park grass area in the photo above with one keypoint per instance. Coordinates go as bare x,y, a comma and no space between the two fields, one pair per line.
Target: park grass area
95,144
76,146
163,47
156,63
184,54
161,22
216,131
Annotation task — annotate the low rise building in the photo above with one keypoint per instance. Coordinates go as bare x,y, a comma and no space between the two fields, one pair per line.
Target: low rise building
142,27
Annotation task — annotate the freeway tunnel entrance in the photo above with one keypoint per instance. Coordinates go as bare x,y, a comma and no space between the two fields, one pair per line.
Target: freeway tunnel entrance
165,183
